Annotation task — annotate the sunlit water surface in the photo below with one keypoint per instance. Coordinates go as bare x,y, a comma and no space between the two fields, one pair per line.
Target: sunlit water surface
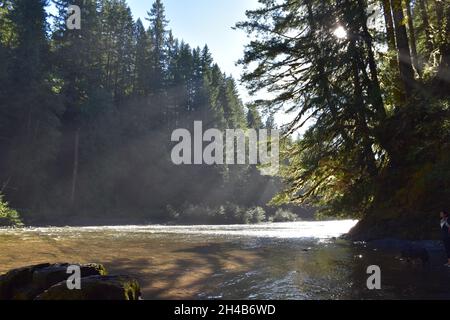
302,260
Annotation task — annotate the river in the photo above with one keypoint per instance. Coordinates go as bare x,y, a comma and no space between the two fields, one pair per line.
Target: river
301,260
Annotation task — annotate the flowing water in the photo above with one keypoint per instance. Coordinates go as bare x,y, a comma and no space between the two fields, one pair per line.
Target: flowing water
301,260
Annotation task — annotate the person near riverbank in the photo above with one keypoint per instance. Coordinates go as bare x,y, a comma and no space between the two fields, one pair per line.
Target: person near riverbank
445,228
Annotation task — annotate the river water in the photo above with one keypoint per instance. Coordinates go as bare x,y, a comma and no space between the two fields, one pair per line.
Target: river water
301,260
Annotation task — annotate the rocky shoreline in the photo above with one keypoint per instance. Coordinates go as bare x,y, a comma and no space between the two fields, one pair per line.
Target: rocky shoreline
49,282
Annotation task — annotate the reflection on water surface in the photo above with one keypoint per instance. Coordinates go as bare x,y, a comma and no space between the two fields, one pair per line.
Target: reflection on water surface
300,260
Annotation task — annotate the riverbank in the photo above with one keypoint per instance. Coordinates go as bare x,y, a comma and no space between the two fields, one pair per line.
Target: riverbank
414,226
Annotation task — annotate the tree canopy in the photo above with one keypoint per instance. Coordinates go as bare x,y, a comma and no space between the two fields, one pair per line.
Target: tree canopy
376,100
86,116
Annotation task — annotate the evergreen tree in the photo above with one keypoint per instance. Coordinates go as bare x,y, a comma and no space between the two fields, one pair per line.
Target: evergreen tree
79,64
86,116
158,33
29,108
117,30
369,111
253,117
142,60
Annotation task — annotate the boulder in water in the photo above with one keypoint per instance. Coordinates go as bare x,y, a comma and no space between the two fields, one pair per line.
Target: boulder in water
96,288
28,282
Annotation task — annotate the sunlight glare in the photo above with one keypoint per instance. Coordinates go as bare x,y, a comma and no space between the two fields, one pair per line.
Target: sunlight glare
340,32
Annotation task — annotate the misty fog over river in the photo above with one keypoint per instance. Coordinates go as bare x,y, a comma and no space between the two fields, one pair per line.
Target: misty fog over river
301,260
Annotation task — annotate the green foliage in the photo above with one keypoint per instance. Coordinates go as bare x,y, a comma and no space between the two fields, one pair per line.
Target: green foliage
282,215
256,215
229,213
336,156
378,120
86,117
8,216
29,110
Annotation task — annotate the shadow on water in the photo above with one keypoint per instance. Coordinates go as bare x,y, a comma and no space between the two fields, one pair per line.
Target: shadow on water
401,279
178,265
188,272
292,269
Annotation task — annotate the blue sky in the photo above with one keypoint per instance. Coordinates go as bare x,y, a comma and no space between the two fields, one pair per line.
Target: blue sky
200,22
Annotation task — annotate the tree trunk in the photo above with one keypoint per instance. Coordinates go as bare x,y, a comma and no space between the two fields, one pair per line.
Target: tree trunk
404,54
426,25
440,19
389,24
443,74
75,166
412,38
361,120
375,91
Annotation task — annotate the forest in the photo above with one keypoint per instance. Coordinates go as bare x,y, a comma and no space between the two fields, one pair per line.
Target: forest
86,118
371,81
86,115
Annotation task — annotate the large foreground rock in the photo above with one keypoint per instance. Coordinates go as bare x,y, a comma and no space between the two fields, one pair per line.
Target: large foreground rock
28,282
96,288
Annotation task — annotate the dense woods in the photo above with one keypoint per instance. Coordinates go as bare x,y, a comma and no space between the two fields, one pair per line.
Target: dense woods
372,80
86,115
86,118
